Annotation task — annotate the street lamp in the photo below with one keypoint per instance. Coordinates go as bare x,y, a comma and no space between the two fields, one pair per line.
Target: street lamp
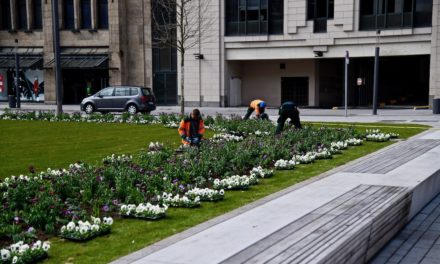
17,75
57,64
376,73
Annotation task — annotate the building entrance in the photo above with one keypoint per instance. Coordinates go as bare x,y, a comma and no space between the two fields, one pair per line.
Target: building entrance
78,84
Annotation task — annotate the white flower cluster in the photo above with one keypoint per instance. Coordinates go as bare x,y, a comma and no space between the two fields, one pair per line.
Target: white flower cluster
381,137
260,172
353,142
154,147
55,173
15,252
259,133
339,145
285,164
206,194
20,179
394,135
116,159
309,157
372,131
171,124
324,154
179,201
235,182
83,229
143,210
226,137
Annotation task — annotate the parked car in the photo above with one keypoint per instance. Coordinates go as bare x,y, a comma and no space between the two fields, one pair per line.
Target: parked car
132,99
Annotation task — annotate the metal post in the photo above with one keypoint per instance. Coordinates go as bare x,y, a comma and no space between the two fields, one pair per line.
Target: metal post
376,73
17,75
57,64
347,61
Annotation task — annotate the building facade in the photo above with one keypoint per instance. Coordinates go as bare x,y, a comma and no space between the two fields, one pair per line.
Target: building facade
280,50
102,42
274,50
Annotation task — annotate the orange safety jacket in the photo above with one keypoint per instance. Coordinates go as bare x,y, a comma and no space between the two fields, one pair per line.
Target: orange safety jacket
255,105
185,129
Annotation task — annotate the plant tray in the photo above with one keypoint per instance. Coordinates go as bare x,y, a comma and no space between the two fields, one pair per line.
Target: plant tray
156,217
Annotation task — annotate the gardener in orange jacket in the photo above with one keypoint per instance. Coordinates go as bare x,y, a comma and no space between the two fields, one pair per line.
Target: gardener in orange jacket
259,106
192,128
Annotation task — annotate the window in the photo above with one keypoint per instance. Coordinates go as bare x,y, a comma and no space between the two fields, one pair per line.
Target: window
69,14
382,14
86,14
254,17
103,14
134,91
22,15
320,9
122,91
5,15
146,91
106,92
38,16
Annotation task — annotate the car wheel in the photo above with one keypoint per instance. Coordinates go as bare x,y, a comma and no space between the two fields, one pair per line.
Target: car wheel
89,108
132,109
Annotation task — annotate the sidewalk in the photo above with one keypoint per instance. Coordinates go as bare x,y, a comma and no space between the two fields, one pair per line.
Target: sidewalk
344,216
314,115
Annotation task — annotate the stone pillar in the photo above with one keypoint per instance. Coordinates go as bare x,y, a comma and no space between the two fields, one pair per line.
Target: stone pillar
434,81
14,19
77,8
94,6
118,42
48,53
30,14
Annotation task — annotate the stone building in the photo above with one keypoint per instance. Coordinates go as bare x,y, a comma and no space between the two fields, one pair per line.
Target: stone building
280,50
102,42
274,50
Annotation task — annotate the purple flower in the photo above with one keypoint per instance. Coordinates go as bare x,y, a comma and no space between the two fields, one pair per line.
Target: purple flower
175,181
115,202
31,230
16,219
105,208
181,187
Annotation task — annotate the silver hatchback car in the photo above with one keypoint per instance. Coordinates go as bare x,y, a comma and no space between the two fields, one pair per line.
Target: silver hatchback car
132,99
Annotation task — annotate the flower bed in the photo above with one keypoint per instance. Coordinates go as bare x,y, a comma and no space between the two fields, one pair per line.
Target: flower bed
82,231
25,253
144,211
206,194
184,179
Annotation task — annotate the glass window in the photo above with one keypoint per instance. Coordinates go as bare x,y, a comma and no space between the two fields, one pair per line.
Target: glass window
320,9
310,9
121,91
276,15
146,91
103,14
367,7
106,92
134,91
408,6
86,14
165,59
38,15
69,14
5,15
22,14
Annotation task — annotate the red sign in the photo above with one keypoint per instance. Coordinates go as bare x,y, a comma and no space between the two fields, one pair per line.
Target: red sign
2,84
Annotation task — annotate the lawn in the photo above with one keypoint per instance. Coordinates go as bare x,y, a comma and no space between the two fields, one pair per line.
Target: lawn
90,142
58,144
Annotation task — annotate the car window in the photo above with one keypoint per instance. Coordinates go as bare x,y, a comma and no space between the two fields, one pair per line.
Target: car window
146,91
134,91
121,91
106,92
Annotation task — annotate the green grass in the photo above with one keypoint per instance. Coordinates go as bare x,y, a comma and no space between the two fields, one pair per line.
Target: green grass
58,144
129,235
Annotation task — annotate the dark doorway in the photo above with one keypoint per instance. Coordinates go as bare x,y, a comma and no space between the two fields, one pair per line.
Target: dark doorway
165,88
295,89
75,83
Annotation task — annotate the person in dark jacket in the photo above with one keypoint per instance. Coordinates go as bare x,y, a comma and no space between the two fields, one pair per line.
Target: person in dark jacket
287,110
192,128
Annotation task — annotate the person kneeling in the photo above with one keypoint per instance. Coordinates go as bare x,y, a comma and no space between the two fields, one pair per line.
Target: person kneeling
192,128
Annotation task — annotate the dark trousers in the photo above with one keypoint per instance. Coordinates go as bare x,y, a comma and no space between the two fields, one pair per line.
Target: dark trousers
249,113
284,115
